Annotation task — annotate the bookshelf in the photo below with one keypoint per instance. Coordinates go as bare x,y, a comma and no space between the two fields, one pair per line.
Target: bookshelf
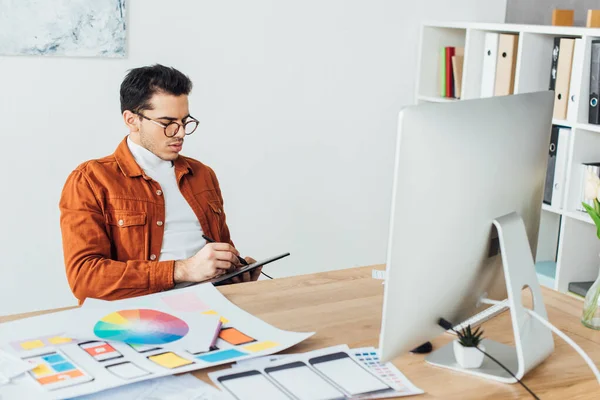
568,249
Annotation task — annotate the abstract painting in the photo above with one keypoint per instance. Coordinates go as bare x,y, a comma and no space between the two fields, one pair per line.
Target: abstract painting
77,28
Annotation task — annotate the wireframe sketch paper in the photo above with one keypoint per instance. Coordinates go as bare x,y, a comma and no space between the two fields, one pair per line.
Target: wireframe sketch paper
67,367
330,373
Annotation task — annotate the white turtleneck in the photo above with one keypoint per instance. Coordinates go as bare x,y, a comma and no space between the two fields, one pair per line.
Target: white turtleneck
182,231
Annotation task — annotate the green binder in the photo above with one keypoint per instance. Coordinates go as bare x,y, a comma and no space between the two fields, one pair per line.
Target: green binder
443,92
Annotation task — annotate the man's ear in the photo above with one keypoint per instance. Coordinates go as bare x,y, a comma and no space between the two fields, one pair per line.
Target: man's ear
131,120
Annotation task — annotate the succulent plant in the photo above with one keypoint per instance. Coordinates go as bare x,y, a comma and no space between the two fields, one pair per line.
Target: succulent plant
469,338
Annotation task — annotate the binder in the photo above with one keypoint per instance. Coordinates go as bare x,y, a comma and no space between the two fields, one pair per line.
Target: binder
506,64
593,19
594,113
563,78
488,73
443,72
551,166
555,52
457,70
575,86
449,82
560,171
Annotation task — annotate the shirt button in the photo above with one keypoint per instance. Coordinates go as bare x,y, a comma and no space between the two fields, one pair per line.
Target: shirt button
159,223
158,192
153,257
121,222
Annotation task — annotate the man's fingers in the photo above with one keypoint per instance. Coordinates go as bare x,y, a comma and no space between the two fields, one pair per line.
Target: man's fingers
255,273
224,247
228,256
246,277
224,266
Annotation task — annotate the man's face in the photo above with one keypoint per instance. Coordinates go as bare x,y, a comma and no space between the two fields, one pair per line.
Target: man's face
165,109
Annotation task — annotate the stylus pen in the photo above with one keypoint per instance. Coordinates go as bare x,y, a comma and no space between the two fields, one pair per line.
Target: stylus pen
209,240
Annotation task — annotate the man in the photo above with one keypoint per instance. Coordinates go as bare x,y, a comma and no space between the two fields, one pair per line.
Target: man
133,222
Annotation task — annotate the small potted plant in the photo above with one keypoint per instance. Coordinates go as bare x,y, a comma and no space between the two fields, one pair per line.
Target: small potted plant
465,348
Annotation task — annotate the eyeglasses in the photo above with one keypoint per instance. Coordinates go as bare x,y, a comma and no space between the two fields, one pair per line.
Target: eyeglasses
172,127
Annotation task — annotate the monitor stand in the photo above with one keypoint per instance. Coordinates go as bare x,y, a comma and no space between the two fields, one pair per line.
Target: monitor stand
533,341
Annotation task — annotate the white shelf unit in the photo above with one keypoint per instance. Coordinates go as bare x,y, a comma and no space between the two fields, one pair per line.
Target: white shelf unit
567,237
437,99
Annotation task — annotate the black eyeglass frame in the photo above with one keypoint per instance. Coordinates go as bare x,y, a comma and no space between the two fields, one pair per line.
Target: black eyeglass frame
179,126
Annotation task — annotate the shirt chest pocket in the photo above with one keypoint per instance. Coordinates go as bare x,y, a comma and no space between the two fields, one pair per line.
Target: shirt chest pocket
212,211
129,234
216,215
215,207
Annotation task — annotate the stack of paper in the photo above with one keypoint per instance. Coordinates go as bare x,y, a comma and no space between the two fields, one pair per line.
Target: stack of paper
332,373
104,345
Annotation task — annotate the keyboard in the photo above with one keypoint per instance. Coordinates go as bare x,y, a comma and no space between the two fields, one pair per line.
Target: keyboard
481,317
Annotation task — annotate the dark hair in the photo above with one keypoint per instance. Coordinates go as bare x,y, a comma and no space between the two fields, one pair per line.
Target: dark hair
140,84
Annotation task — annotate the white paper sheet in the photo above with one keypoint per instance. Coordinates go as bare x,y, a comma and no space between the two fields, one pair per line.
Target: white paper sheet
182,387
264,360
104,365
11,366
369,358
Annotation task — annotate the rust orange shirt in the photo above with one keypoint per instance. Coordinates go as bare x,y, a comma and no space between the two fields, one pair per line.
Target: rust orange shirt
108,213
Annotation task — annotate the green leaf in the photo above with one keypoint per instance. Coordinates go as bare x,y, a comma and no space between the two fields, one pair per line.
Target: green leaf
588,208
469,337
594,215
597,206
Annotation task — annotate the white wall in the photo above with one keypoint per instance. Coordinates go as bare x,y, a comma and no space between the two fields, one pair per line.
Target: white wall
297,102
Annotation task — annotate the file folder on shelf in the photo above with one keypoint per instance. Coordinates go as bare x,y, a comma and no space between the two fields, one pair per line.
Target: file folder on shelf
442,72
506,64
594,114
554,190
457,70
575,86
560,171
488,73
449,78
563,78
551,166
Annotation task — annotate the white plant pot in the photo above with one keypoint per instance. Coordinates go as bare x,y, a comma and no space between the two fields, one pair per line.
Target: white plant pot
468,357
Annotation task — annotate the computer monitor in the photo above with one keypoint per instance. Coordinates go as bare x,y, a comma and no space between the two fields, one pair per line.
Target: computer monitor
459,167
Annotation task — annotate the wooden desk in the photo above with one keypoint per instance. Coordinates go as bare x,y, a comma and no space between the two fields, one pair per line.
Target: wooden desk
344,307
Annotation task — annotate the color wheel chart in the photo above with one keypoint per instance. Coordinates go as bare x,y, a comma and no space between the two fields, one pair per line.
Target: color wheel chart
141,327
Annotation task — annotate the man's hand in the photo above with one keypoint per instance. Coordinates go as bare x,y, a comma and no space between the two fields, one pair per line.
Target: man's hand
248,276
212,260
